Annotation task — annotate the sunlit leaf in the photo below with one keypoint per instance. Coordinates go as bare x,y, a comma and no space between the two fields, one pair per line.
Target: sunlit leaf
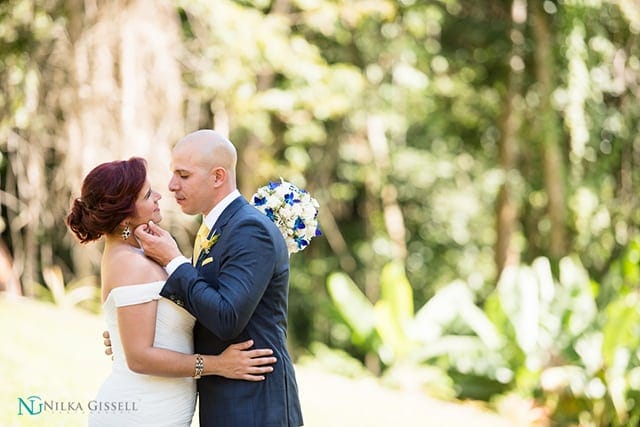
352,304
397,292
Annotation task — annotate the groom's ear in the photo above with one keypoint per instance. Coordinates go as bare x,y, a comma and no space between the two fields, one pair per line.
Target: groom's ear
219,175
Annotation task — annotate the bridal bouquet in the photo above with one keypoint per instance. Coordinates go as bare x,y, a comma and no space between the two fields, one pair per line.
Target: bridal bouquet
292,209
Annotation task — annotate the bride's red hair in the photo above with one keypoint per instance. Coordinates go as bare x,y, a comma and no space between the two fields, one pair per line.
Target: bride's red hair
108,196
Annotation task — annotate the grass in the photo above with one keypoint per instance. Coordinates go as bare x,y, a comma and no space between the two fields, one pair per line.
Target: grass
57,355
49,352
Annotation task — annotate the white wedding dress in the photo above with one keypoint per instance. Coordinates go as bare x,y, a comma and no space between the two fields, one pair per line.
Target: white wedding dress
130,399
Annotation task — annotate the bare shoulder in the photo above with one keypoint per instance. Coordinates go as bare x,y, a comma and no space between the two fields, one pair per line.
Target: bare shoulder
126,267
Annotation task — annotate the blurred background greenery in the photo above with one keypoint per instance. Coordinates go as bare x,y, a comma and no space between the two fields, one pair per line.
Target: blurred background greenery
477,163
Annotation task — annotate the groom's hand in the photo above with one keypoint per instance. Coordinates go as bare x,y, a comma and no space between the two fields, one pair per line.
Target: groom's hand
157,243
239,363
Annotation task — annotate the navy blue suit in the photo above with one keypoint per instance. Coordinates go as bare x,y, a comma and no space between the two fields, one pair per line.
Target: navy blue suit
239,291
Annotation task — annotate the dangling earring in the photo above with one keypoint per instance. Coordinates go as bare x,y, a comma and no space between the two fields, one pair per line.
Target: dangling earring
126,232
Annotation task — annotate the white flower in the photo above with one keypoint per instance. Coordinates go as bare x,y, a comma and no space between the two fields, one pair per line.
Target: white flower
293,210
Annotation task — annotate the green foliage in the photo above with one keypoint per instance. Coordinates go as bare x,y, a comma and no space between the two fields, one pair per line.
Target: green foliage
84,293
335,361
394,116
576,357
447,325
353,306
535,335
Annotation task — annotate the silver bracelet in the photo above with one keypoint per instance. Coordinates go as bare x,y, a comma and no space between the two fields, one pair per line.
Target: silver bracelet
199,367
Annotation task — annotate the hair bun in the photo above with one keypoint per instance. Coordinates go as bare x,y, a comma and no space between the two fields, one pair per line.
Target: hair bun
77,221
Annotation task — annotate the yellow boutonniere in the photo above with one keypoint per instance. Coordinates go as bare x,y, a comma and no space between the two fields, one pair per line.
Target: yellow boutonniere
207,244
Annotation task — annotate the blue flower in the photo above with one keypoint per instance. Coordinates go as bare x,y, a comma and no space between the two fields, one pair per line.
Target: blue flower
289,199
301,242
273,185
299,224
259,201
269,213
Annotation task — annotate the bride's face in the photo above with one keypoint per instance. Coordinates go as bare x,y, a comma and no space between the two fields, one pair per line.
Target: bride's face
147,208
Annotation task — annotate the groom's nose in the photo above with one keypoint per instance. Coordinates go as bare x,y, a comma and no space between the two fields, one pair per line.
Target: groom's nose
173,186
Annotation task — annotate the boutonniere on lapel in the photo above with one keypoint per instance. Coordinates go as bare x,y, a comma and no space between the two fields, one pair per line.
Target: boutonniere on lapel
207,244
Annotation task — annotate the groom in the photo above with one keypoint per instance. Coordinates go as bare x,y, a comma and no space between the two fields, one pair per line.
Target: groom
236,285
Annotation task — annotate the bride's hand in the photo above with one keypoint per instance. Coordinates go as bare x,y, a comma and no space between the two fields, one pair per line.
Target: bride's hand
107,344
240,363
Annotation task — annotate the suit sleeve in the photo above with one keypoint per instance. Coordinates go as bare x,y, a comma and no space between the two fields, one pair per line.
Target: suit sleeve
245,271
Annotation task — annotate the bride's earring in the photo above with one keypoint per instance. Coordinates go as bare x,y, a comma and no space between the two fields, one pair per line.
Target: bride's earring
126,232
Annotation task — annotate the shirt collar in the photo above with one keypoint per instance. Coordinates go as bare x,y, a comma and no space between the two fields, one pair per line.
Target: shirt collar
213,215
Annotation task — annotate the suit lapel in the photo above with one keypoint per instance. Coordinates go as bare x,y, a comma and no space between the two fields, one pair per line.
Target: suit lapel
228,213
222,220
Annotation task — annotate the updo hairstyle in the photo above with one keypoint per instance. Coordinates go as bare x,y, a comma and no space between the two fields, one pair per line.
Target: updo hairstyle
108,196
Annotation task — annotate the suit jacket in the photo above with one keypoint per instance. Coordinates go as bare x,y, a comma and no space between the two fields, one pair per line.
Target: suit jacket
238,290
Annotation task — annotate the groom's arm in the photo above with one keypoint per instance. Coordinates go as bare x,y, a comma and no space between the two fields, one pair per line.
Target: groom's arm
247,266
237,362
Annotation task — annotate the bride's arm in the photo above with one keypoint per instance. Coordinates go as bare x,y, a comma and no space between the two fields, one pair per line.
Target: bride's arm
137,331
137,324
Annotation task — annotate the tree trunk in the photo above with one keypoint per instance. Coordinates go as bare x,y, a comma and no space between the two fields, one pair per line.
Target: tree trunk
506,253
117,85
392,214
549,132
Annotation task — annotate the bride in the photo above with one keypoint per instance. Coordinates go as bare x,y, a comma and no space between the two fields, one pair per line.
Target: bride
152,381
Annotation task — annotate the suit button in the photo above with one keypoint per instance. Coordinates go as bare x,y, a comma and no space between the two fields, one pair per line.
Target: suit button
179,303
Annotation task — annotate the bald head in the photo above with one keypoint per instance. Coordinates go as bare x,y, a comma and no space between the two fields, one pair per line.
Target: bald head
203,166
210,149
